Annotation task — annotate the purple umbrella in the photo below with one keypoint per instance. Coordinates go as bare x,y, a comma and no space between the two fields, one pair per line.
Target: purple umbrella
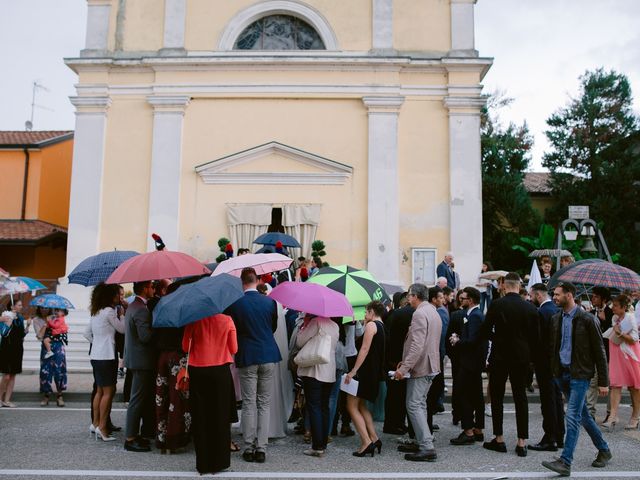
312,298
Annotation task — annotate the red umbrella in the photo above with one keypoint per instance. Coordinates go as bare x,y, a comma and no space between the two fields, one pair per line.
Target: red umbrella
156,266
603,274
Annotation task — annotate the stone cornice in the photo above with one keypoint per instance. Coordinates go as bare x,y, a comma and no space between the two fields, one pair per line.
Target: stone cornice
464,103
390,104
91,104
169,103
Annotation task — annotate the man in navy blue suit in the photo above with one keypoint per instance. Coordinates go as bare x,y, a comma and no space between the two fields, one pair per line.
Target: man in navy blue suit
445,270
550,394
256,318
471,352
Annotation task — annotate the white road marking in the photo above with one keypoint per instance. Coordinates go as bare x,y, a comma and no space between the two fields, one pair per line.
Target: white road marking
390,475
56,409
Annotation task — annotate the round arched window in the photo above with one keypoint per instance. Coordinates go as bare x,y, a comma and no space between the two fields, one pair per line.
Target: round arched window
279,32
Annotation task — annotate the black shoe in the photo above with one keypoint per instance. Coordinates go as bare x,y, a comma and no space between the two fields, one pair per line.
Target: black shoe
559,467
560,445
248,455
143,441
530,388
495,446
259,456
455,421
462,439
439,409
136,446
347,431
422,456
395,430
409,448
435,427
370,450
544,446
112,428
603,457
378,444
478,437
521,451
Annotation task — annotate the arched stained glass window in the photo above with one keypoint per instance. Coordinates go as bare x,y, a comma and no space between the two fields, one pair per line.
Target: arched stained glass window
279,32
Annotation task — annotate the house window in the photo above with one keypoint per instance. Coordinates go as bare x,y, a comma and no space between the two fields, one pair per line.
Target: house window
279,32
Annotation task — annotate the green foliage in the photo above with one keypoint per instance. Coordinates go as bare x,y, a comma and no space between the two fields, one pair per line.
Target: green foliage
317,250
507,213
221,258
595,159
546,239
222,243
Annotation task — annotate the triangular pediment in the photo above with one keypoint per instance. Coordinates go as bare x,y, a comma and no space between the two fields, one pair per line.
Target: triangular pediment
274,163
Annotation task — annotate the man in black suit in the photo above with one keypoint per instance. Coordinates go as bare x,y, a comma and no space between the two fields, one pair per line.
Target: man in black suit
550,394
511,325
456,322
395,408
471,351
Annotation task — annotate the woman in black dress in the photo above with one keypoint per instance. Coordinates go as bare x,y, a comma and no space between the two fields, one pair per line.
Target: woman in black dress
369,372
11,351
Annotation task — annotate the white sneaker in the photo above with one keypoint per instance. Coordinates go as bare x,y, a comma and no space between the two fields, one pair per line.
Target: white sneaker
48,355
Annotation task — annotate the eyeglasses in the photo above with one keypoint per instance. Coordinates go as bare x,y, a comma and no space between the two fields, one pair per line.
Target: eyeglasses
464,298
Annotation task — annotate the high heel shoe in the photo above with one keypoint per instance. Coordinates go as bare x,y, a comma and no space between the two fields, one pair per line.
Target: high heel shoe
92,429
107,438
610,424
371,449
378,445
634,424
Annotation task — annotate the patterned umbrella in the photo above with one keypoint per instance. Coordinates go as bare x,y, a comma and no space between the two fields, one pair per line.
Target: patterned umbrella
271,238
12,285
358,286
32,283
603,274
51,300
97,268
555,278
550,252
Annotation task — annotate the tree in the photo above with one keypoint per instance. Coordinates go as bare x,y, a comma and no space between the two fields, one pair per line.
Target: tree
507,213
595,159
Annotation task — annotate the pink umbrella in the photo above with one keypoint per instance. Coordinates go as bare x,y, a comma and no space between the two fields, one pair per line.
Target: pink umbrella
261,262
312,298
156,266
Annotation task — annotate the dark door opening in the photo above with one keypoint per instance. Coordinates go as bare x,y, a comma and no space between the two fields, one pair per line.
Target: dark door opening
276,221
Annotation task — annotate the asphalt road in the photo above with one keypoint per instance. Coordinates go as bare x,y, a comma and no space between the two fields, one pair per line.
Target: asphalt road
54,442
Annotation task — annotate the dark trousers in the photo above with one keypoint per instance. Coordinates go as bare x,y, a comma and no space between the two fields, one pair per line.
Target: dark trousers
395,405
471,398
456,388
126,389
551,405
517,375
316,394
434,395
141,404
210,398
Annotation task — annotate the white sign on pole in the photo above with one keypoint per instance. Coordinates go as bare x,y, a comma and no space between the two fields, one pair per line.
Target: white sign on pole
578,212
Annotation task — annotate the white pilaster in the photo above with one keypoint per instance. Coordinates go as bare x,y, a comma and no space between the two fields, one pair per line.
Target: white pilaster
382,29
98,13
174,25
465,185
85,207
462,28
383,211
166,160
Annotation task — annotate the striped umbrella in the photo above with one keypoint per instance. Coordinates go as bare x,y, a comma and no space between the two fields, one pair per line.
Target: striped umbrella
603,274
359,286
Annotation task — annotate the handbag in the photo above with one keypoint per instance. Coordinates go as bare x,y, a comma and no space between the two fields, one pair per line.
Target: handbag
182,380
317,351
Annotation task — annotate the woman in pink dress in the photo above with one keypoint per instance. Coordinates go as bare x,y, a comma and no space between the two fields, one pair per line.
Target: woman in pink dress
624,363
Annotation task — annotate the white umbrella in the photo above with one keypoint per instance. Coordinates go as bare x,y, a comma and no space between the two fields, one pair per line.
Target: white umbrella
261,262
534,276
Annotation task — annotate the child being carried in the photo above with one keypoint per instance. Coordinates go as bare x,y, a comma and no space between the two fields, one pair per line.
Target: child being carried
57,329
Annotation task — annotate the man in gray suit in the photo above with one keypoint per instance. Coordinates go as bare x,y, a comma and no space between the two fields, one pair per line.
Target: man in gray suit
139,358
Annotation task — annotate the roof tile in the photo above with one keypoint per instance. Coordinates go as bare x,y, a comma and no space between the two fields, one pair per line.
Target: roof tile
27,230
16,137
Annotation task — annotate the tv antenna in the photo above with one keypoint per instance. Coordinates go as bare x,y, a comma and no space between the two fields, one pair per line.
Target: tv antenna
36,86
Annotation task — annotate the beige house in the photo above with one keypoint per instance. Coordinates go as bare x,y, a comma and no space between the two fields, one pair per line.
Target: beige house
355,122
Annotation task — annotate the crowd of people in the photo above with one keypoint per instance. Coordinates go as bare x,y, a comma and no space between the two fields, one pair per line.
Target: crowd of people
253,353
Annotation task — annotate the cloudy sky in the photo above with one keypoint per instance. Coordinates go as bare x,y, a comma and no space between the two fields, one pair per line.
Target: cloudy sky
540,47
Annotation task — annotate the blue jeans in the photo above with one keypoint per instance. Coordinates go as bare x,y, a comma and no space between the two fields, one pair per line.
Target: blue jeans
316,395
333,398
575,392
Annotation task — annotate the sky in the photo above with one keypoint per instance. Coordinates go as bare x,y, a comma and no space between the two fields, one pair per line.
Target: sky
540,48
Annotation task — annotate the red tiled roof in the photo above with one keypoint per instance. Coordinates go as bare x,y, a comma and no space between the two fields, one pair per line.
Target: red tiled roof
27,231
537,182
9,137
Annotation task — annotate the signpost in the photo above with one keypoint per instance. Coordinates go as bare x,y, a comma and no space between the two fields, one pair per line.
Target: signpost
578,212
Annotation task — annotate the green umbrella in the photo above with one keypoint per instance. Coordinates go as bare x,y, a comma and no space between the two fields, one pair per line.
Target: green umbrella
358,286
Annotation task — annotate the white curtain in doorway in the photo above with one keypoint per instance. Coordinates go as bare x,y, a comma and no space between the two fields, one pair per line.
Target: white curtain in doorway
301,222
246,222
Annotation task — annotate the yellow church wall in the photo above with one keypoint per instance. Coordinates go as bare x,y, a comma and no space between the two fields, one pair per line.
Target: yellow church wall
143,25
422,25
334,129
127,168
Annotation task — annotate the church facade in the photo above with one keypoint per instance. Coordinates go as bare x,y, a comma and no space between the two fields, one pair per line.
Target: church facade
354,122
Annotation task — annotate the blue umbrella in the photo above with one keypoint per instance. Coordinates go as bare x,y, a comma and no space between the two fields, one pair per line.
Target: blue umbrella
97,268
271,238
51,300
195,301
272,249
32,283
